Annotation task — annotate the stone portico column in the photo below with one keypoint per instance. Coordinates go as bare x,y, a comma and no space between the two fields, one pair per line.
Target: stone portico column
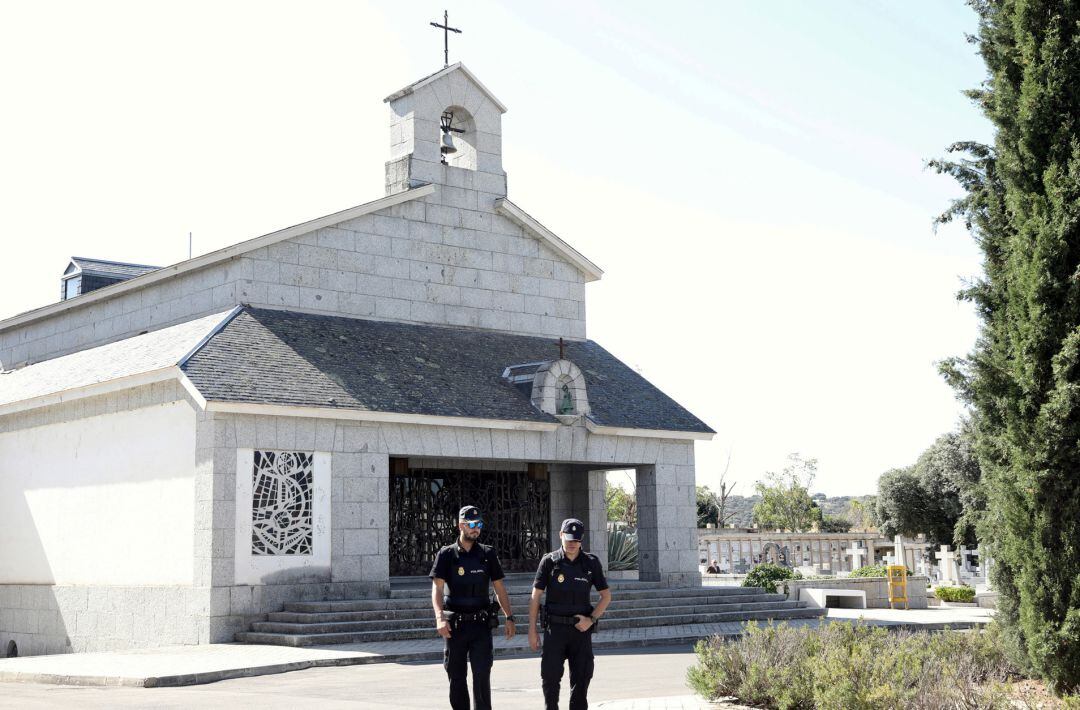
576,493
562,500
591,498
667,512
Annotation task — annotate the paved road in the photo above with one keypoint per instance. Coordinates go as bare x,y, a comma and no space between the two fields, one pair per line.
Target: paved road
620,675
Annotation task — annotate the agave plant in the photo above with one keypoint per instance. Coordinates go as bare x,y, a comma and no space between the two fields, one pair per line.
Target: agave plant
622,549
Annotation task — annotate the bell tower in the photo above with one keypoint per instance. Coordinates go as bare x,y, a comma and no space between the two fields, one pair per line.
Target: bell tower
446,129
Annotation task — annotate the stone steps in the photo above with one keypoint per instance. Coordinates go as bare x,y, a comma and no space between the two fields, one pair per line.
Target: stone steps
519,596
390,610
335,624
406,614
524,586
300,634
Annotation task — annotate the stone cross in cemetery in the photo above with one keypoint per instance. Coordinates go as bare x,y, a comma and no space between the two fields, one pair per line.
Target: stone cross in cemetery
898,551
966,564
947,562
984,567
856,555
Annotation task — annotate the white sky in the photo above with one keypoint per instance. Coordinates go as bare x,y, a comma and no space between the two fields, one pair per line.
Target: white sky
749,175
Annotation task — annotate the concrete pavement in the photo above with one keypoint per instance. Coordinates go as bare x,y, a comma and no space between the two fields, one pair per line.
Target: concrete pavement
625,679
195,665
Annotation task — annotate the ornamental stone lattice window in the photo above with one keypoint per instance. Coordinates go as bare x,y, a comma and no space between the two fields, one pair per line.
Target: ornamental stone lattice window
281,503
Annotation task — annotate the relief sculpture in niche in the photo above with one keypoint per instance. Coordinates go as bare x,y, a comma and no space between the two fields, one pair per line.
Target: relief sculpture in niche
281,503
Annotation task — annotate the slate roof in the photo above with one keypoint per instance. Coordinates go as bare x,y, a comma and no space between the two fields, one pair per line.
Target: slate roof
123,358
287,358
112,269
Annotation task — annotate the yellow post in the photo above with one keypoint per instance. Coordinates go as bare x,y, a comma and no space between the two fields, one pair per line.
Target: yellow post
897,585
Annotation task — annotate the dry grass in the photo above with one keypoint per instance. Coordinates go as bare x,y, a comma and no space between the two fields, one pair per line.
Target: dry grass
854,666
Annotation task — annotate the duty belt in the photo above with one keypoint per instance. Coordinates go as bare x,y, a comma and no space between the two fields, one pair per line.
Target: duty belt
565,621
456,618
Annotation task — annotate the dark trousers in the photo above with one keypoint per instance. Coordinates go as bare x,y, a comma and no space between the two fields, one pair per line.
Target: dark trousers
469,644
562,642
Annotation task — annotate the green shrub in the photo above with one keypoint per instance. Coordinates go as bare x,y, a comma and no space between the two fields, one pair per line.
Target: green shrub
955,594
844,665
766,575
873,571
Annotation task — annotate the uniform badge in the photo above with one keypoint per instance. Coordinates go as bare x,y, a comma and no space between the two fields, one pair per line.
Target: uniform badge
561,578
461,571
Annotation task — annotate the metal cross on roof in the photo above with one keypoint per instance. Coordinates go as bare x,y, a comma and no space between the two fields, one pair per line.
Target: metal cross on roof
562,354
447,29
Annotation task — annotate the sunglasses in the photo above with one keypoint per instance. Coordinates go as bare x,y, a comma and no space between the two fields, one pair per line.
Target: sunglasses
474,524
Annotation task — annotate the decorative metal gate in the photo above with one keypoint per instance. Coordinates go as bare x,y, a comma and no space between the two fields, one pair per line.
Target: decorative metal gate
424,505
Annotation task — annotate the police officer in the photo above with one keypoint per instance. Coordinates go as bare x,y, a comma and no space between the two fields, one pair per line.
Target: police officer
567,575
466,618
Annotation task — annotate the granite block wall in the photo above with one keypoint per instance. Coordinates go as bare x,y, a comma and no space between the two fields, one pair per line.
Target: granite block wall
56,618
448,258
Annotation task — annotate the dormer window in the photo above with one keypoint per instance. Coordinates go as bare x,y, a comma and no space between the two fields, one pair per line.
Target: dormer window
84,275
71,287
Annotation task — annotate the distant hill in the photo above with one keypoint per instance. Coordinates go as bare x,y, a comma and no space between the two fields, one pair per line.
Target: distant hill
743,506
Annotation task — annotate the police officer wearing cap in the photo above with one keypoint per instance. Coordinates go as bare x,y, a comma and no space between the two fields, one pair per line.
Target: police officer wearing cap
566,576
466,618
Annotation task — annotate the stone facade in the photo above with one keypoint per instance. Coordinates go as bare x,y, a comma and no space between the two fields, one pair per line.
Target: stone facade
449,258
55,618
432,260
422,261
360,464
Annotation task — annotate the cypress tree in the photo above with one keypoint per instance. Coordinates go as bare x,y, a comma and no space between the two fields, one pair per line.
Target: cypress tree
1022,379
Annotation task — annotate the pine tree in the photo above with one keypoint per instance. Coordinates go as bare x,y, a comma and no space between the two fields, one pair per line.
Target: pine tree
1022,379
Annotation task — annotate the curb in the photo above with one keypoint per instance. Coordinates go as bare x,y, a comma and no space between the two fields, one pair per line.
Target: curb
175,681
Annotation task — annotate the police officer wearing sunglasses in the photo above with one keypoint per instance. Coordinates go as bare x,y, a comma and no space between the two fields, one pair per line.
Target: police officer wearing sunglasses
467,616
567,577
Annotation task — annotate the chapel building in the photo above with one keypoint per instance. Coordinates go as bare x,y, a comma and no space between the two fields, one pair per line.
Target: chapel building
300,416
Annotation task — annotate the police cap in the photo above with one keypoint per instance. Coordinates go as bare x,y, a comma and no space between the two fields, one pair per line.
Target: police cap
574,528
469,512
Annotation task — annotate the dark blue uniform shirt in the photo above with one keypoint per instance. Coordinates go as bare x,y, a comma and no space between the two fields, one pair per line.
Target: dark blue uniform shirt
568,584
467,574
